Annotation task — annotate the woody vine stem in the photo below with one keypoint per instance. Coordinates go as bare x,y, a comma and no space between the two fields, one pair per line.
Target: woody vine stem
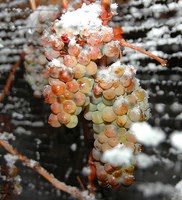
35,166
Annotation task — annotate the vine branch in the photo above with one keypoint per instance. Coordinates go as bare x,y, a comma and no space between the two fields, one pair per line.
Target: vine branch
160,60
65,4
33,5
10,78
35,166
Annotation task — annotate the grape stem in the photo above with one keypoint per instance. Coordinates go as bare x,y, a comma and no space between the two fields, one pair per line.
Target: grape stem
10,77
103,61
160,60
106,5
106,14
65,4
33,5
92,174
49,177
81,183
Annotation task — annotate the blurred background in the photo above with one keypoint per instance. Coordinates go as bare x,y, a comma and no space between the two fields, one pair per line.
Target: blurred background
155,26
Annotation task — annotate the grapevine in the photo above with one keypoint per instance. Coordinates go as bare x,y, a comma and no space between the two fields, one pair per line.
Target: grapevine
78,69
86,74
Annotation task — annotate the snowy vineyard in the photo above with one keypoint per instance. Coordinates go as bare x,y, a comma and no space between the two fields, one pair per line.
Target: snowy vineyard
155,26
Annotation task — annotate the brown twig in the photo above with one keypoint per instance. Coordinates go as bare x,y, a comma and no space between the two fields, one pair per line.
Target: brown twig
106,14
106,4
65,4
92,174
103,61
35,166
33,5
10,77
81,183
125,44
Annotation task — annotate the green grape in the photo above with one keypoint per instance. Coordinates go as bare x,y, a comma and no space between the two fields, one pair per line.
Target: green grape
120,107
79,71
56,107
73,122
121,120
64,117
110,131
109,94
120,90
69,106
92,107
108,114
53,121
79,98
100,106
105,147
97,117
91,68
135,114
88,115
102,138
85,85
96,154
113,141
98,128
78,110
140,94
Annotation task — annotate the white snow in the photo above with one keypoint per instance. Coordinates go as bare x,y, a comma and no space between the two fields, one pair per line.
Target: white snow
114,7
160,107
85,18
156,188
179,116
178,193
144,161
10,159
42,11
176,107
6,136
55,62
148,135
20,130
86,171
176,140
73,147
104,74
87,196
118,156
32,163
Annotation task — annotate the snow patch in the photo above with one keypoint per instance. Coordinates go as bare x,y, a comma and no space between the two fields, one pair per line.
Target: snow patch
144,161
118,156
176,140
148,135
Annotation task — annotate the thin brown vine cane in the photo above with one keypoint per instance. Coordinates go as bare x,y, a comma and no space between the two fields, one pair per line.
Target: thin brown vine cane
106,17
160,60
35,166
33,5
10,78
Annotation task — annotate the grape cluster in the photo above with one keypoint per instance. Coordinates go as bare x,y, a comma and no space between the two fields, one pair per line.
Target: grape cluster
35,60
116,102
85,74
67,93
107,137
